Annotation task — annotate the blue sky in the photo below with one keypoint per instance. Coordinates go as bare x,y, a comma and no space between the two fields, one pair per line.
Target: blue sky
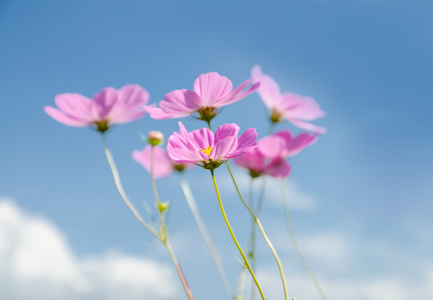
361,195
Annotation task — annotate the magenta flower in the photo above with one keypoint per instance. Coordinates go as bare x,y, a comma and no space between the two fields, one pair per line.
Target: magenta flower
208,150
210,92
270,155
163,165
110,106
295,108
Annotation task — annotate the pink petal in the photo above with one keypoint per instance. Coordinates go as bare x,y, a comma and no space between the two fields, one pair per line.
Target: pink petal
202,138
299,107
64,118
252,160
308,126
278,168
271,146
75,105
223,148
226,130
163,165
184,156
246,142
103,102
212,87
300,142
131,98
269,90
180,103
238,93
157,113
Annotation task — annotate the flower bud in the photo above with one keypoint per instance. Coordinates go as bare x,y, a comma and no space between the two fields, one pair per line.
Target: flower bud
162,206
155,138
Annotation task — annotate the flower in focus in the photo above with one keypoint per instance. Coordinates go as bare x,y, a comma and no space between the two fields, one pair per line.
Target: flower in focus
210,92
109,106
270,155
295,108
208,150
163,165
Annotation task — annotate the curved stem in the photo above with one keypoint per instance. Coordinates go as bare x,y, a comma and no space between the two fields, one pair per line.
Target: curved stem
179,270
202,228
122,191
295,242
271,247
155,194
234,237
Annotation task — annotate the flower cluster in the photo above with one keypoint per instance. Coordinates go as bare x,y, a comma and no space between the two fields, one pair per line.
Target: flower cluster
203,147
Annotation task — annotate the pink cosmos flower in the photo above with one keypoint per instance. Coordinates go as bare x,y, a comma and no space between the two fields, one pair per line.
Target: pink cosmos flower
295,108
210,92
208,150
110,106
163,165
270,155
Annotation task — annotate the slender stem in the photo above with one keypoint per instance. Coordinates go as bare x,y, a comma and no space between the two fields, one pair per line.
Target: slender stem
202,227
122,191
271,247
295,242
179,270
234,237
155,194
163,228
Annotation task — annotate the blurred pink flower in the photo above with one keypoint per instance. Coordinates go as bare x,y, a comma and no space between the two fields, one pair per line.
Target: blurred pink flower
210,92
209,150
270,155
163,165
295,108
110,106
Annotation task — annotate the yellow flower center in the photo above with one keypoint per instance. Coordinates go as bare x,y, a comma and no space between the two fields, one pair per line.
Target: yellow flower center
207,150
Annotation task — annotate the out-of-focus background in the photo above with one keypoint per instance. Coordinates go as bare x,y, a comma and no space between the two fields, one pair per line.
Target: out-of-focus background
361,196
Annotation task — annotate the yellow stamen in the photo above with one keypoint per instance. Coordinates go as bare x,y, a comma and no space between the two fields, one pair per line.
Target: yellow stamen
207,150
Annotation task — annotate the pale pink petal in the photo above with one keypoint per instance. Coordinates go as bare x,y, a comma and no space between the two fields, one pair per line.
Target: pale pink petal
131,98
75,105
246,141
180,102
300,142
238,93
223,148
202,138
271,146
103,102
183,156
226,130
278,168
64,118
299,107
163,165
269,90
308,126
252,160
128,116
156,113
212,87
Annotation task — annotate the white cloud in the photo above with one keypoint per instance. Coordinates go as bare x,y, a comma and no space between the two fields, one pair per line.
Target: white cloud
36,262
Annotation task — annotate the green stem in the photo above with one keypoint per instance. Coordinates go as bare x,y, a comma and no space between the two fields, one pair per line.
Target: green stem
271,247
179,270
234,237
296,245
202,228
122,191
163,229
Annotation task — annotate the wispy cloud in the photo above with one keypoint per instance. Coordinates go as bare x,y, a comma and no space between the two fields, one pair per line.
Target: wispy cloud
36,262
